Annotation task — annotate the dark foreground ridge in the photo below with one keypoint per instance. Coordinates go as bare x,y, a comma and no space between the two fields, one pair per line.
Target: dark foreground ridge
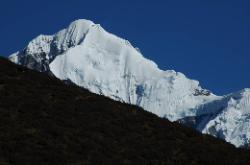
43,121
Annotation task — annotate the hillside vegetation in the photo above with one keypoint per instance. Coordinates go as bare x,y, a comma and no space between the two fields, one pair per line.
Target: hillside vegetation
44,121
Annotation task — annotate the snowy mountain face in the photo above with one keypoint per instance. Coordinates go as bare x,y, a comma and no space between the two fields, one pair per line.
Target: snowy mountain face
227,118
90,57
232,123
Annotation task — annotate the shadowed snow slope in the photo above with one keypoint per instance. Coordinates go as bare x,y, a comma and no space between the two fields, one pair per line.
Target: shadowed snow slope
90,57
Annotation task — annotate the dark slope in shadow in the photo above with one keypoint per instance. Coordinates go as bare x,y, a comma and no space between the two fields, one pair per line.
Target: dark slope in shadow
44,121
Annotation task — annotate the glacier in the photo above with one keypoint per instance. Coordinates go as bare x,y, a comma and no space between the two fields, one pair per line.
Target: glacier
87,55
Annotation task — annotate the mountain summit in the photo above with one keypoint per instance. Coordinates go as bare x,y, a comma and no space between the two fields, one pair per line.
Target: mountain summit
89,56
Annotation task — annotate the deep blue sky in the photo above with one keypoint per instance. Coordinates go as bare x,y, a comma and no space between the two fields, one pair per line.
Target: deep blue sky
208,40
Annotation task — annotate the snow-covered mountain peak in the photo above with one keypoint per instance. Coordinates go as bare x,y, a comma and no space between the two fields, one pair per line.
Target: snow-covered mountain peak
79,28
40,44
245,92
82,24
241,101
89,56
232,122
74,34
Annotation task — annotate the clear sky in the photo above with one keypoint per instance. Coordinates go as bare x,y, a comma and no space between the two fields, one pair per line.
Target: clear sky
207,40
